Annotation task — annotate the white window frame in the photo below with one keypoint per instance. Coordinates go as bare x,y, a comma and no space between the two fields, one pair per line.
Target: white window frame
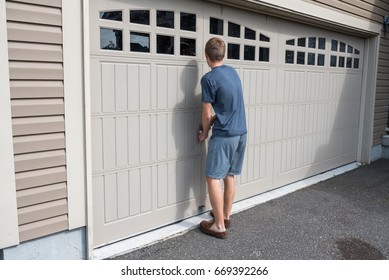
9,230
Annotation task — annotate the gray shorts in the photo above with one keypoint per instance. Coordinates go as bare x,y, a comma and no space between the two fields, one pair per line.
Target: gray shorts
225,156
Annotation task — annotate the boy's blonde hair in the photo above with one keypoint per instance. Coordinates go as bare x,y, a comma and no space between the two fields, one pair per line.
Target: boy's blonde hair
215,48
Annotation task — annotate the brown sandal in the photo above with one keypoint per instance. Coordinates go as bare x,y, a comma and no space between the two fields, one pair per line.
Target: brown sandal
205,226
227,223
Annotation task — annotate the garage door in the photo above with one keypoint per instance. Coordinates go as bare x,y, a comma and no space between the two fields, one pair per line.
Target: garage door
302,89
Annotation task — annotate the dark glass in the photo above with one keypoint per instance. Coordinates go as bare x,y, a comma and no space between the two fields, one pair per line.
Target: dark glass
233,30
356,63
333,60
322,43
139,42
249,34
264,54
356,51
301,42
188,22
165,19
290,42
342,47
140,17
249,53
233,51
334,45
111,39
311,58
289,57
341,61
216,26
300,57
320,59
188,47
165,44
349,62
263,38
350,49
112,15
312,42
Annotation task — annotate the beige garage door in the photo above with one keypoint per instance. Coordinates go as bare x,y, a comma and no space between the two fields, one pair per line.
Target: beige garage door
302,89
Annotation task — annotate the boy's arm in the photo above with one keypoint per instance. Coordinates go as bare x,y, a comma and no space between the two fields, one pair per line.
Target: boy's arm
207,121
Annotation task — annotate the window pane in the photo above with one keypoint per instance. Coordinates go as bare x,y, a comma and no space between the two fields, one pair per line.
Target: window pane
165,44
249,53
356,51
216,26
140,17
290,42
188,22
139,42
188,47
356,63
233,51
312,42
322,43
113,15
165,19
264,38
249,34
264,54
341,61
342,47
289,57
333,60
334,45
350,49
300,57
311,58
320,59
301,42
349,62
233,30
111,39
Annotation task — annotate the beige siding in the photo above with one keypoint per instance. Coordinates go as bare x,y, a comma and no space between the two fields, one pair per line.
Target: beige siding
37,101
373,10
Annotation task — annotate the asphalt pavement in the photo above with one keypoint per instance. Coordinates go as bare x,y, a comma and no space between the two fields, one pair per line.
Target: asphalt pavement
343,218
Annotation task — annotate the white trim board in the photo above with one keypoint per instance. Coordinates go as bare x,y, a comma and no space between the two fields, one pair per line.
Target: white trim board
312,13
74,111
9,230
155,236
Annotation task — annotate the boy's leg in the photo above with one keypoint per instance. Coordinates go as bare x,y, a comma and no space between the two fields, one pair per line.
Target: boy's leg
216,198
229,195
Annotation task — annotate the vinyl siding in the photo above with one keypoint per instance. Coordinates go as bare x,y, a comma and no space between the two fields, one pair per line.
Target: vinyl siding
373,10
37,100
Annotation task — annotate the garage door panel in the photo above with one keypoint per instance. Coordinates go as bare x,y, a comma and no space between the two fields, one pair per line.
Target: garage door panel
302,90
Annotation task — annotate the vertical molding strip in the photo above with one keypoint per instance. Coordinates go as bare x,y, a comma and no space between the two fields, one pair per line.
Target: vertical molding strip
74,111
9,231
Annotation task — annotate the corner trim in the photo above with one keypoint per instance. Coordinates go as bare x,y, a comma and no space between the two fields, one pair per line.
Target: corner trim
9,230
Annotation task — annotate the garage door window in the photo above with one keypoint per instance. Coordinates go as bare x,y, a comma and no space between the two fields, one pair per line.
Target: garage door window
112,15
165,19
139,42
188,22
344,55
111,39
307,50
140,17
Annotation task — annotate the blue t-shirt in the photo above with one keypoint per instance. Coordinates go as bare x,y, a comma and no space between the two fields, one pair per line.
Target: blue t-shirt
223,89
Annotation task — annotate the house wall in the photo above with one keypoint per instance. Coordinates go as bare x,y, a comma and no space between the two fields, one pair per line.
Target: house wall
38,121
373,10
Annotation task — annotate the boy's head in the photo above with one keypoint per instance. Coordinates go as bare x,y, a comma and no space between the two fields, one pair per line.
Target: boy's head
215,49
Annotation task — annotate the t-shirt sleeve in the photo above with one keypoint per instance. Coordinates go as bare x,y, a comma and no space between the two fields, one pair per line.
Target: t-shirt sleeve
208,92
